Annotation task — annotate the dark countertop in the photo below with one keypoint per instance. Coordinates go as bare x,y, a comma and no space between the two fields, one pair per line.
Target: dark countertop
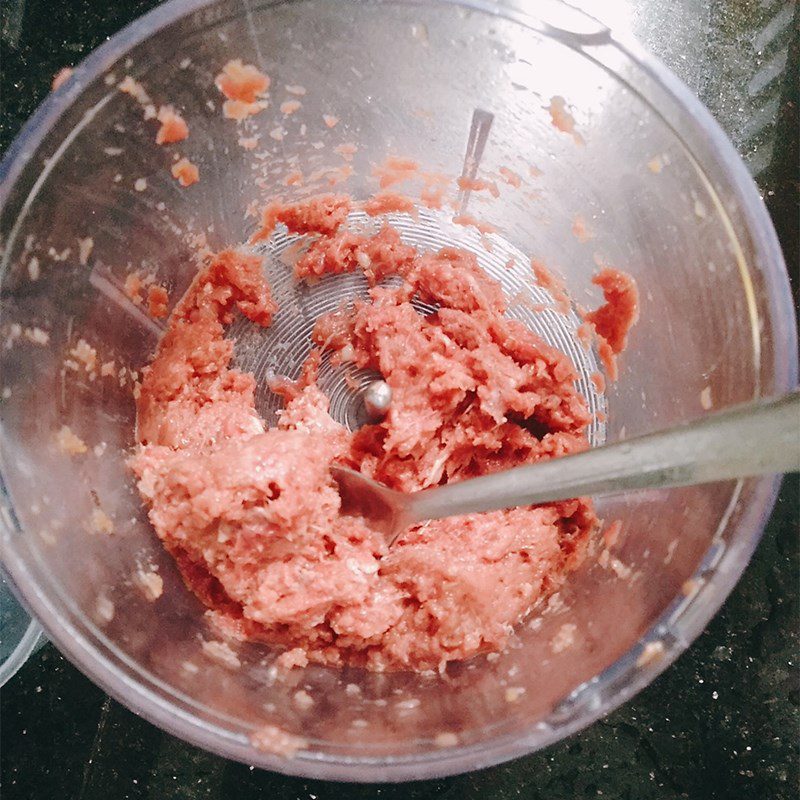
722,722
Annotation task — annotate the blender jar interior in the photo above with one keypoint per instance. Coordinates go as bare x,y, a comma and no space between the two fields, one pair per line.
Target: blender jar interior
402,79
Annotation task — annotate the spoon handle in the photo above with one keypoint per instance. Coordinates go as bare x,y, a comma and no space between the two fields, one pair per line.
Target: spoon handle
752,439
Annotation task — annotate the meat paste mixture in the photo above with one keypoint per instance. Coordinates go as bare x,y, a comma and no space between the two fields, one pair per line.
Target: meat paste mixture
252,516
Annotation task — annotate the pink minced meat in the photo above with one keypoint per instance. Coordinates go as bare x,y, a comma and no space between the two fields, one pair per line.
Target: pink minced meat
252,515
615,318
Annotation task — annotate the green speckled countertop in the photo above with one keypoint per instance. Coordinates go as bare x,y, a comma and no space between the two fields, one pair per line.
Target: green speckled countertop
723,722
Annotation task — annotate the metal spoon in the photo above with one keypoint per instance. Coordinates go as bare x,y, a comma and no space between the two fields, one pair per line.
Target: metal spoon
751,439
